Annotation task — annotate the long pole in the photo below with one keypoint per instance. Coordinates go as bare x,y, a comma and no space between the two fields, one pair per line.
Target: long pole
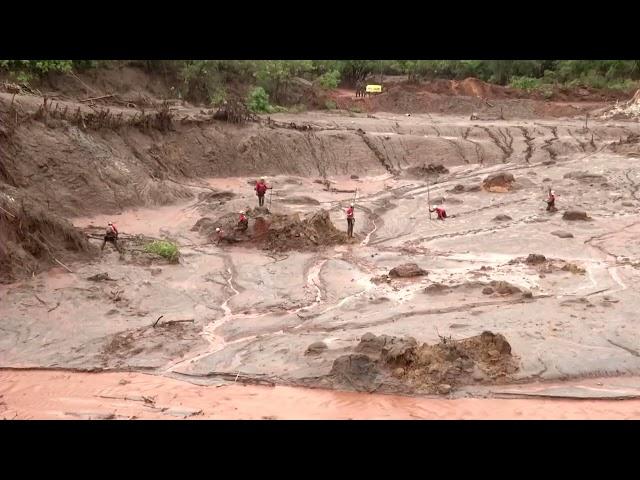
270,196
428,198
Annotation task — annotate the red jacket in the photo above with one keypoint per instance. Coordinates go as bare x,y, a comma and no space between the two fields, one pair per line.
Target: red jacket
243,218
261,188
350,212
112,227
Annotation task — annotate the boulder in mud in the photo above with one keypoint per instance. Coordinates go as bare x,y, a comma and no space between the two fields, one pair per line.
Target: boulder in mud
357,371
504,288
487,290
354,177
502,218
407,270
535,259
316,348
444,388
575,215
562,234
499,182
436,288
427,170
627,203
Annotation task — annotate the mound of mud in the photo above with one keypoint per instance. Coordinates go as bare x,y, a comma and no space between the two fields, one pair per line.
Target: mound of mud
548,265
575,215
464,188
499,182
300,200
290,232
276,232
562,234
494,286
400,365
426,170
407,270
33,238
502,218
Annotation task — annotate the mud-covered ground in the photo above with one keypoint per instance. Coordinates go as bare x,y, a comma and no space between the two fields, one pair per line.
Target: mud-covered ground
241,313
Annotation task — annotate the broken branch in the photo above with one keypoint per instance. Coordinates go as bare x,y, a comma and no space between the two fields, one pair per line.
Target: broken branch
63,265
154,325
97,98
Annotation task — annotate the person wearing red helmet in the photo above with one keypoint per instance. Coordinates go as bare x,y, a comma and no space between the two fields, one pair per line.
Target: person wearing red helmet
243,222
111,236
442,213
261,188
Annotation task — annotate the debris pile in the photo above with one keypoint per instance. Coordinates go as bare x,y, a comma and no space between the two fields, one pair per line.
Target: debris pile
399,364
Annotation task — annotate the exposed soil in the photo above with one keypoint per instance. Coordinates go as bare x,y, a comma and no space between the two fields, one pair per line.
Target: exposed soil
292,301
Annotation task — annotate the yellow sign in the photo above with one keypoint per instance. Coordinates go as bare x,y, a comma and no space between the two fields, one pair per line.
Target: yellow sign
374,88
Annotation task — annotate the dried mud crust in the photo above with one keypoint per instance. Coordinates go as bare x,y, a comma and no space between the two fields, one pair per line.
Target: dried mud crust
400,365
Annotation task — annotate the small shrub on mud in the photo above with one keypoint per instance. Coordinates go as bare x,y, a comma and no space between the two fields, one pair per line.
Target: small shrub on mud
163,248
258,100
329,80
527,84
330,105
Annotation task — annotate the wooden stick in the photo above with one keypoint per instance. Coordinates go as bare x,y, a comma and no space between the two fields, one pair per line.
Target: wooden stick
7,212
154,325
98,98
63,265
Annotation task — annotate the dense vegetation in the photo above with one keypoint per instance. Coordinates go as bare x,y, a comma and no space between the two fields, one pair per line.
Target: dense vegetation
209,80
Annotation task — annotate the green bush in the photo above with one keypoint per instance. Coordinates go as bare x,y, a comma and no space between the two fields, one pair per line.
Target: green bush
163,248
330,105
258,101
527,84
329,80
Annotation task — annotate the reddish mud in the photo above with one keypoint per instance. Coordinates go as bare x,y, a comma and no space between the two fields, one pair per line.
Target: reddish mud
66,395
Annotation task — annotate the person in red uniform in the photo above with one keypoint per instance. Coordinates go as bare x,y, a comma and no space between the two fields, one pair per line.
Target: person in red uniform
551,201
350,221
261,189
243,222
442,213
111,236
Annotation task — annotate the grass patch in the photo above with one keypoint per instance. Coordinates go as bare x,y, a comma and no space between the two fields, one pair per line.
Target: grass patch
163,248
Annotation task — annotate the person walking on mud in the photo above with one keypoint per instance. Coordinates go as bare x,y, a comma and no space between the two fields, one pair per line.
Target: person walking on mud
551,201
111,236
442,213
350,221
261,189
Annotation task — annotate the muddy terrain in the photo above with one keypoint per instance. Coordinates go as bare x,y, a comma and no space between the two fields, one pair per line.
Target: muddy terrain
501,292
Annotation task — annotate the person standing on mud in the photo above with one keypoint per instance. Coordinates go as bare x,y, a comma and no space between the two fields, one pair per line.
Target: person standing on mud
261,189
442,213
111,236
551,201
350,221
